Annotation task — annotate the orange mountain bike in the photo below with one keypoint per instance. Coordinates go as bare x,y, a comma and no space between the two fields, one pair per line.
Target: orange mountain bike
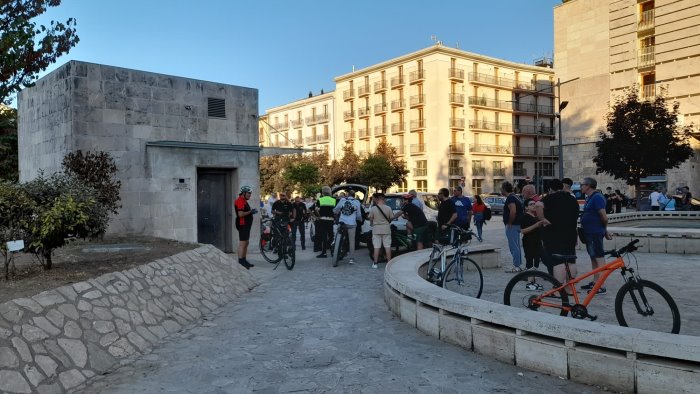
639,303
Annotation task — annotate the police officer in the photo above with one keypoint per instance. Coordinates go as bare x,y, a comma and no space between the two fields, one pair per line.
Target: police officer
324,229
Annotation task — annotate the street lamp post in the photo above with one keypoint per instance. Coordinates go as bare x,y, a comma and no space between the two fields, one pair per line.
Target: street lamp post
561,105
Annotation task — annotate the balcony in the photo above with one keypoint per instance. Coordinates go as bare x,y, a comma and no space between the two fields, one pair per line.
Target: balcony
400,150
417,149
363,112
648,91
417,124
457,148
363,91
497,149
543,172
297,123
349,135
485,125
397,82
348,115
315,119
499,172
533,109
380,131
646,20
398,105
380,86
380,108
533,151
519,171
416,76
348,94
417,100
490,103
281,126
420,172
455,171
478,171
456,74
491,80
398,128
457,123
317,138
535,130
364,133
456,99
646,57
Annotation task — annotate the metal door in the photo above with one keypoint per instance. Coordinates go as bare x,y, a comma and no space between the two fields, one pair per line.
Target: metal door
212,208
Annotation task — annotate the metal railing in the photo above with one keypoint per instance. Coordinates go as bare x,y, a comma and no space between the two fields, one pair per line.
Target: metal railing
400,150
348,94
486,125
484,148
349,114
397,81
457,123
380,130
398,104
646,20
533,151
420,172
379,108
363,111
456,98
500,172
538,86
363,133
478,171
363,90
297,122
318,118
349,135
519,171
417,148
397,128
416,75
534,129
456,148
487,102
380,85
649,91
646,57
418,99
417,124
282,126
533,108
455,171
456,73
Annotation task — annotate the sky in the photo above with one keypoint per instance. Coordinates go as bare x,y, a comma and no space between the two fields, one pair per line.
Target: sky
286,48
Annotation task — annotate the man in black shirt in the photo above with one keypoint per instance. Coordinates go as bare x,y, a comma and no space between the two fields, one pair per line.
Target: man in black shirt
282,210
560,213
447,212
300,213
417,218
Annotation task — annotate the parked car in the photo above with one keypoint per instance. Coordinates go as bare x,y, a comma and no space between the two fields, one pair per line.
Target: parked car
496,203
430,206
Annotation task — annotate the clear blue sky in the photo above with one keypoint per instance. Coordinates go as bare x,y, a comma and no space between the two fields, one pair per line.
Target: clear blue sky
285,48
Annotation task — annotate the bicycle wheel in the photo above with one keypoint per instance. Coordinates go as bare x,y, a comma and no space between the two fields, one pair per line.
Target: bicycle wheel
463,276
337,245
269,249
647,306
289,254
524,291
432,270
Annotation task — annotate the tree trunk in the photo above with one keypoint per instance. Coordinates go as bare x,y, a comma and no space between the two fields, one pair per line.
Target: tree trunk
47,260
638,196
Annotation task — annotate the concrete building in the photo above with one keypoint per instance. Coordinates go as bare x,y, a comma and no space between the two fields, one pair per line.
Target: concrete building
605,46
450,113
183,147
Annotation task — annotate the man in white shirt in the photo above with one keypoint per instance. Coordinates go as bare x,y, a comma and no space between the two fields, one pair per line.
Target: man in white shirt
350,213
654,199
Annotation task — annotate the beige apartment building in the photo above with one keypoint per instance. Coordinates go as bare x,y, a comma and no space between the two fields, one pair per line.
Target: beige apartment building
602,47
448,112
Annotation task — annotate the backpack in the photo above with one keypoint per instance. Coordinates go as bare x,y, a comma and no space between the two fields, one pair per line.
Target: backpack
348,208
487,213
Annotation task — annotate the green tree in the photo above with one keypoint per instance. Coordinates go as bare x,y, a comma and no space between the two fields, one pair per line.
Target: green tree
16,211
376,171
398,165
98,171
26,48
9,169
642,138
304,175
349,165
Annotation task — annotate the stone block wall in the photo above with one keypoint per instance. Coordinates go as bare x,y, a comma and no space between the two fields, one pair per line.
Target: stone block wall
58,339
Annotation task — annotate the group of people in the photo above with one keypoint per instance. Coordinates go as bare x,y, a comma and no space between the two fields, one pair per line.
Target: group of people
549,226
660,200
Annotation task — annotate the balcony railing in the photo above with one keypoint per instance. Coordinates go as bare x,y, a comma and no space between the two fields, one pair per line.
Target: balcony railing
315,119
417,124
363,133
297,122
380,85
397,81
533,108
499,172
534,129
416,100
400,150
281,126
398,104
416,76
349,135
348,114
417,148
487,102
646,57
317,138
363,111
348,94
533,151
363,90
456,148
646,20
478,171
457,123
649,91
380,108
397,128
456,73
455,171
456,98
537,86
485,125
483,148
519,171
380,130
420,172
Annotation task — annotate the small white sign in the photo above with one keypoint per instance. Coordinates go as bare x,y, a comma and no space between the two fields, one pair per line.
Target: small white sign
15,246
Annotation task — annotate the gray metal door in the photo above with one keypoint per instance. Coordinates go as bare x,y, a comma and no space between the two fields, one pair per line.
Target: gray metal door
211,208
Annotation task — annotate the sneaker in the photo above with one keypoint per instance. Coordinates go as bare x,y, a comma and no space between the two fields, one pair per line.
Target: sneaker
322,256
588,286
602,290
375,266
532,286
351,261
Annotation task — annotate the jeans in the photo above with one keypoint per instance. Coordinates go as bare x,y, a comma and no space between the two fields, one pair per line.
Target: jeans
479,221
513,236
302,230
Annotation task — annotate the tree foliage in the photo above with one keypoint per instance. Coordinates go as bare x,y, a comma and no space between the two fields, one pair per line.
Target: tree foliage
9,167
304,175
98,171
376,171
642,138
26,48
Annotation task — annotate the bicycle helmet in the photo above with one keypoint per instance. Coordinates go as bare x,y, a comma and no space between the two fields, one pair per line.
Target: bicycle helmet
246,189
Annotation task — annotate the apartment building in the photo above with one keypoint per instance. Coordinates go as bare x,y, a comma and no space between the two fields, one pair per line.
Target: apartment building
605,46
449,113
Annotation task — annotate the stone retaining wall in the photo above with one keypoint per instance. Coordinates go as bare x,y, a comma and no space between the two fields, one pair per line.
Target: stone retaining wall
58,339
620,358
654,239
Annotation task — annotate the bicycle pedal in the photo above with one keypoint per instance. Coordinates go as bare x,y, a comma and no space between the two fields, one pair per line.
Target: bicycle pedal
593,317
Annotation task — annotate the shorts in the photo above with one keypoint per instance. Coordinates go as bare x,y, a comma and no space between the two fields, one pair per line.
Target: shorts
594,245
379,240
421,233
243,233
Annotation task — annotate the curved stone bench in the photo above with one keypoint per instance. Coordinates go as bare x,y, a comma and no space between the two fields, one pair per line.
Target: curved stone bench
655,239
621,358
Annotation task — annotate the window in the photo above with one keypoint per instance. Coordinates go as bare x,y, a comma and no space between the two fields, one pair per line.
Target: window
402,186
497,185
453,183
476,186
545,169
422,186
421,168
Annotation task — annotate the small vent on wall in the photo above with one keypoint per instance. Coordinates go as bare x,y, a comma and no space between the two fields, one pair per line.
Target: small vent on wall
216,108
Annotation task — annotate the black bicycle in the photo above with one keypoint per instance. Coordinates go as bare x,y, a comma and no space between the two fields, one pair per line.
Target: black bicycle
341,244
462,275
276,243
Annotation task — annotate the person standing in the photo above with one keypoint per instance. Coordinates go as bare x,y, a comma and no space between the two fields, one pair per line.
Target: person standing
478,208
300,213
447,213
609,198
415,200
380,219
530,227
686,199
560,211
463,205
594,222
654,200
349,210
512,214
619,199
416,217
324,228
244,221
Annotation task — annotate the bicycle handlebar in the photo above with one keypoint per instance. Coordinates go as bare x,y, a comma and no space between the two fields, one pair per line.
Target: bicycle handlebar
630,247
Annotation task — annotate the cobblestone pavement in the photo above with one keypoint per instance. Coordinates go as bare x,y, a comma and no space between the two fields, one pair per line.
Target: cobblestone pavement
318,329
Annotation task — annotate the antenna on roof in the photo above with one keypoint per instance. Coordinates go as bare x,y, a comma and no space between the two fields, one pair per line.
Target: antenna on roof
434,39
457,45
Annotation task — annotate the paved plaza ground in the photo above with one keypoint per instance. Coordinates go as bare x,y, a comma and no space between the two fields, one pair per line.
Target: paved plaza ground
320,329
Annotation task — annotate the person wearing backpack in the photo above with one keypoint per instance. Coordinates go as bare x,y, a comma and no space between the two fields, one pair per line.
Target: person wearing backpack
479,209
350,212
